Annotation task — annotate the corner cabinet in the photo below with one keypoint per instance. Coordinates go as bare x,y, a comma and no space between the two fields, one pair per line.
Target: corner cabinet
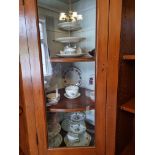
69,59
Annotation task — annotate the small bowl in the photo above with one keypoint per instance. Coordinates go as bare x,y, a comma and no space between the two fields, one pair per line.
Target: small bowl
69,50
72,90
53,98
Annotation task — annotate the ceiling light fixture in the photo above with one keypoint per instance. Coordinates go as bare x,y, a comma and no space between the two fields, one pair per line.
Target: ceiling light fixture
70,16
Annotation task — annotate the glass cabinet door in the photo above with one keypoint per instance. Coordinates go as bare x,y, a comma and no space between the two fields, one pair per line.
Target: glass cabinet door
68,45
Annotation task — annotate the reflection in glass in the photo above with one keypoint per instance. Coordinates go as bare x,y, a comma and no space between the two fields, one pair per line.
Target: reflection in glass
70,86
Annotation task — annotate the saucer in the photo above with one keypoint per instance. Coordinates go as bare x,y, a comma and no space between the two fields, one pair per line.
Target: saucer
55,141
66,125
84,140
53,129
72,97
71,55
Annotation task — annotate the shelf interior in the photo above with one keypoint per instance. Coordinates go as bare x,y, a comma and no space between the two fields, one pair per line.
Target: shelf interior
76,59
129,57
129,106
81,103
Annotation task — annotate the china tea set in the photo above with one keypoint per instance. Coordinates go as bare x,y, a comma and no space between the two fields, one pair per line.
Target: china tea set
71,92
75,127
76,130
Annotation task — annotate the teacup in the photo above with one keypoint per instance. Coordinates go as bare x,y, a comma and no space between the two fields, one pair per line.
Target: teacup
72,137
77,128
72,91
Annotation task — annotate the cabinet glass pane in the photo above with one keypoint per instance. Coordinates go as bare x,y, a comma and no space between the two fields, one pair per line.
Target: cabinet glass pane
68,40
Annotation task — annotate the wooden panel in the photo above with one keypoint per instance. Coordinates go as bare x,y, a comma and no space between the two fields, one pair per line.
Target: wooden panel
80,59
128,27
73,151
129,106
101,75
112,75
125,131
23,142
126,89
129,149
70,105
21,2
36,73
26,86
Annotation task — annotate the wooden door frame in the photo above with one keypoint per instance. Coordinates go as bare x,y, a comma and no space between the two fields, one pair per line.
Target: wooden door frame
37,80
112,74
26,86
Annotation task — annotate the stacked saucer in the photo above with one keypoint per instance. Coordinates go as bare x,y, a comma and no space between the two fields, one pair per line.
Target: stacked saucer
54,138
76,128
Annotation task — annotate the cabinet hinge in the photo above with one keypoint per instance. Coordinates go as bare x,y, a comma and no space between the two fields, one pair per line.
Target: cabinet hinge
37,142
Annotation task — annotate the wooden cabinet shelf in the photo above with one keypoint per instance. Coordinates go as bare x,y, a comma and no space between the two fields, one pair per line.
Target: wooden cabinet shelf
129,57
77,59
71,105
129,106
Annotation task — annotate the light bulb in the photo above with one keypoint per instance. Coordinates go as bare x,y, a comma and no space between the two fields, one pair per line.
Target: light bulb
74,14
79,17
62,16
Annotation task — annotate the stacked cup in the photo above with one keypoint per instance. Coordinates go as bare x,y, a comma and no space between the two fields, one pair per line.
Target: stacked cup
77,128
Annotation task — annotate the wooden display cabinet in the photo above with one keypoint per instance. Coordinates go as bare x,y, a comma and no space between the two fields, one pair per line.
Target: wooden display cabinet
82,103
114,82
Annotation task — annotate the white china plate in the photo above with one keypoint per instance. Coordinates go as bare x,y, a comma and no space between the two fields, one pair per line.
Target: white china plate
55,141
71,55
69,26
72,76
78,95
69,39
66,125
53,129
84,140
77,116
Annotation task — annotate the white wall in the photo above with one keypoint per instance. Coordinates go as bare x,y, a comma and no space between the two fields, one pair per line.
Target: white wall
52,31
88,9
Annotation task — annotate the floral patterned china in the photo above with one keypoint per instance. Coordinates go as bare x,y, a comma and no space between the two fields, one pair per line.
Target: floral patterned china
77,128
72,76
55,141
53,129
84,140
78,116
